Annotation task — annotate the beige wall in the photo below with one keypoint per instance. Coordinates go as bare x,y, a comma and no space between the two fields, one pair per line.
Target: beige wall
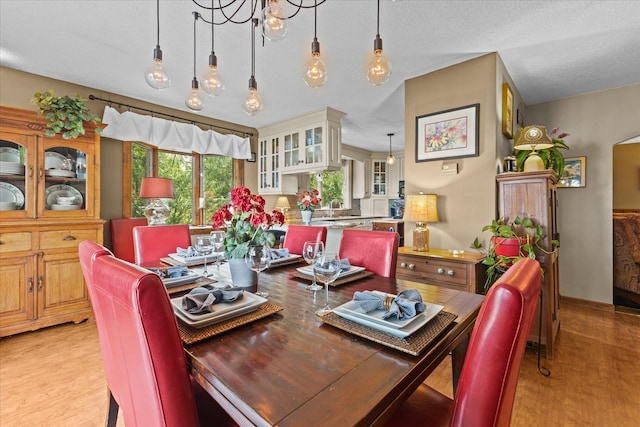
626,176
596,121
466,201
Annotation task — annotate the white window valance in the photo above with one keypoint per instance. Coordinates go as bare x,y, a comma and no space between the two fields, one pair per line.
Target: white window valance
173,136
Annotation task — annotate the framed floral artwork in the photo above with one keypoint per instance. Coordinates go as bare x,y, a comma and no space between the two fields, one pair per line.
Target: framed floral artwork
507,111
575,172
448,134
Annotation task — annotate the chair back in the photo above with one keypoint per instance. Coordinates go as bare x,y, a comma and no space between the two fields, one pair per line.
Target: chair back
298,234
152,242
145,365
489,376
122,236
377,251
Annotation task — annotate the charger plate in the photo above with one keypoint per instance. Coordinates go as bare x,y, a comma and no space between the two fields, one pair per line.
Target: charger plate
340,281
414,344
191,335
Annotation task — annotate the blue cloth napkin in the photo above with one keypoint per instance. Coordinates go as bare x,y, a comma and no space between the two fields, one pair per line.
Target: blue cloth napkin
405,305
201,300
344,264
171,272
187,253
279,253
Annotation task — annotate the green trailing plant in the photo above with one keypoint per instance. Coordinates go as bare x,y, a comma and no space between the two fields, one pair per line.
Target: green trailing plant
552,157
64,115
524,231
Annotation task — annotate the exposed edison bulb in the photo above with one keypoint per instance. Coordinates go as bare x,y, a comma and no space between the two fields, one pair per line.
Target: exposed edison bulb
274,21
156,76
193,100
315,73
212,81
390,159
252,104
378,68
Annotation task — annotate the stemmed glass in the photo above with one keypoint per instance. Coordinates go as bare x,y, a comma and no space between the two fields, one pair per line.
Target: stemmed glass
217,241
311,251
327,268
204,247
257,259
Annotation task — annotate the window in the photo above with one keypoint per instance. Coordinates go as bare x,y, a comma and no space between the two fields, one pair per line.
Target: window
333,186
211,190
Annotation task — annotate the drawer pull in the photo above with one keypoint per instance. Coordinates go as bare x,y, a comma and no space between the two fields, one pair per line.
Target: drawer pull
69,237
40,283
30,285
403,264
440,270
412,266
451,272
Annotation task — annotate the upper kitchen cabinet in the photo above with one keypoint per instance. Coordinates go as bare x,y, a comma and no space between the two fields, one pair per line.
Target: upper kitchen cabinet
270,178
310,143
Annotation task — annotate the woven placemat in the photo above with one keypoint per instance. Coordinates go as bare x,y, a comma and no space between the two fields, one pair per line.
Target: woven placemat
348,279
191,335
414,344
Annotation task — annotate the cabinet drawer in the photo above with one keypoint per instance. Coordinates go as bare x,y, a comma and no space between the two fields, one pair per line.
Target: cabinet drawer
433,270
15,242
66,238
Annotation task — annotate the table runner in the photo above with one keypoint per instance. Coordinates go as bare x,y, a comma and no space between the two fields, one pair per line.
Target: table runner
414,344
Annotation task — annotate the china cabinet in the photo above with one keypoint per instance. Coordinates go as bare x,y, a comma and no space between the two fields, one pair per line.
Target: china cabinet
309,143
49,203
533,194
270,178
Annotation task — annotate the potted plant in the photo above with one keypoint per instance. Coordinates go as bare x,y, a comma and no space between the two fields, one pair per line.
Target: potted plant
64,114
510,242
308,201
552,157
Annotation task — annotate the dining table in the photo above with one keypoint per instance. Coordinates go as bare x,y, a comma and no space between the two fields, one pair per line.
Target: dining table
292,368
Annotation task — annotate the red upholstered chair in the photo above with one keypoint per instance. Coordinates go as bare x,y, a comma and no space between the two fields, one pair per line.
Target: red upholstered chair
377,251
152,242
145,365
489,376
298,234
122,236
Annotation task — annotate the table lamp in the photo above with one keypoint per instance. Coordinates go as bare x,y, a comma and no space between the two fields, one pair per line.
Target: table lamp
421,208
155,189
283,204
533,138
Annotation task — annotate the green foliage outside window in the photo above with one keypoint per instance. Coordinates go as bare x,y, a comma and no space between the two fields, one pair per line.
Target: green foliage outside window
178,167
330,188
218,182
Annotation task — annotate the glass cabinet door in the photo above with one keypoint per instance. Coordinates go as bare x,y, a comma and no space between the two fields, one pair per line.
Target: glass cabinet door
16,175
313,146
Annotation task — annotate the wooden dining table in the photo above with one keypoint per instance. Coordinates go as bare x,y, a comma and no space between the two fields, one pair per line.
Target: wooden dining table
293,369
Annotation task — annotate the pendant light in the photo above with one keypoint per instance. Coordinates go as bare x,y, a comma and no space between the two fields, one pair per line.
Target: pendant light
390,159
211,79
193,100
378,68
156,76
252,104
315,73
274,21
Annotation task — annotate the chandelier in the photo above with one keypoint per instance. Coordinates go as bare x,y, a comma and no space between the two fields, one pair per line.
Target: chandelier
271,19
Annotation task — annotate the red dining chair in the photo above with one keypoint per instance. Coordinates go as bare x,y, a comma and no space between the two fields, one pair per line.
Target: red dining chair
152,242
122,236
145,365
298,234
489,376
377,251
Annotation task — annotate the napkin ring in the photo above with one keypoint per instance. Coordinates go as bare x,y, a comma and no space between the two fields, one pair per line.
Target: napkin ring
388,300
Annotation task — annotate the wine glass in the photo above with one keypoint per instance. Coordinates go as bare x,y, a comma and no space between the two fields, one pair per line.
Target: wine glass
257,259
311,251
327,268
217,241
204,247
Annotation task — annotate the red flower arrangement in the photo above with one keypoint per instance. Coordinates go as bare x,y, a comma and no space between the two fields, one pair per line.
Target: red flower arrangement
309,200
245,221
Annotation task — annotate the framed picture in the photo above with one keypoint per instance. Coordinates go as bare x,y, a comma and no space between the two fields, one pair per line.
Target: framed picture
507,111
575,172
448,134
253,157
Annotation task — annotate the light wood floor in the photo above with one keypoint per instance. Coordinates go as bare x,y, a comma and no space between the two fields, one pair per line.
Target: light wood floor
54,377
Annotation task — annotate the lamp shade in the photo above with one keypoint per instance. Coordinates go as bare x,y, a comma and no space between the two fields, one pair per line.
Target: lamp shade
156,188
283,202
421,208
533,138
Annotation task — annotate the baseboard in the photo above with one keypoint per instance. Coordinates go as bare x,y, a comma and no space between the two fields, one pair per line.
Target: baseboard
586,303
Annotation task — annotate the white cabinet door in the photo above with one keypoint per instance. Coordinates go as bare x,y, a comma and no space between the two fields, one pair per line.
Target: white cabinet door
361,174
270,178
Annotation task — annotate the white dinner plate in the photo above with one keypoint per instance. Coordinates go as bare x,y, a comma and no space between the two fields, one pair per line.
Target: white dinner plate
53,191
53,160
11,168
190,277
57,207
308,270
60,173
284,260
9,154
222,311
374,320
195,259
11,193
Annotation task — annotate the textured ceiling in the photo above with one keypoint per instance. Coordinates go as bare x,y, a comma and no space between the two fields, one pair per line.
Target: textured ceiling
552,50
